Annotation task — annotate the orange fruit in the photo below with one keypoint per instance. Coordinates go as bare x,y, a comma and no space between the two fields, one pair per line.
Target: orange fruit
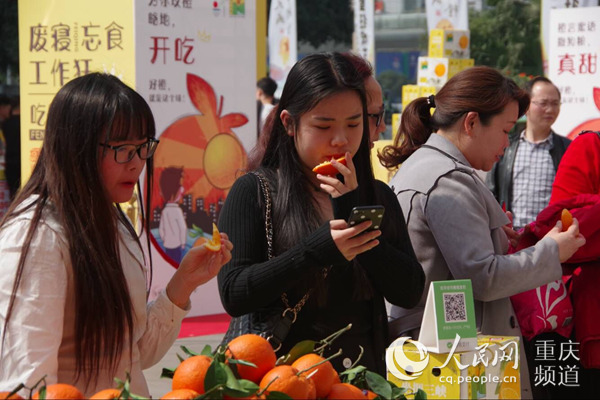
215,243
336,378
107,394
190,373
61,391
4,396
323,375
200,241
325,168
255,349
566,218
181,394
345,391
285,379
371,395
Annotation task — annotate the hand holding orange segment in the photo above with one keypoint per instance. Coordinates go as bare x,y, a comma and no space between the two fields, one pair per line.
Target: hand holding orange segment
566,218
215,243
325,168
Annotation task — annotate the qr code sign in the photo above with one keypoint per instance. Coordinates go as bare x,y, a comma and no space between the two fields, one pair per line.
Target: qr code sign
454,307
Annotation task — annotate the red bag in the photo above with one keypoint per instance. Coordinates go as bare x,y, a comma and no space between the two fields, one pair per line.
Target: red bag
546,308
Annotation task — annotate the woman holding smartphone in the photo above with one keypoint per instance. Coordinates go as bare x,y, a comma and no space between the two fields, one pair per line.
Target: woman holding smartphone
332,274
458,228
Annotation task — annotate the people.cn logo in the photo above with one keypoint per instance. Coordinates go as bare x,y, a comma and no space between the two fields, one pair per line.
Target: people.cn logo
401,366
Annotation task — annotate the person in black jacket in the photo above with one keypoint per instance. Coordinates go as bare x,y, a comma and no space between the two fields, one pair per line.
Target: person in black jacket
522,179
334,274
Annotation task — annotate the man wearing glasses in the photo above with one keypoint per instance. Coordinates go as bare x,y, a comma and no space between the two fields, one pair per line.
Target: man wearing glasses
522,180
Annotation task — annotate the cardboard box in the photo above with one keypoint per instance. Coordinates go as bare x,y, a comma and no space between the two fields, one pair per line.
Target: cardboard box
494,375
411,92
449,43
436,71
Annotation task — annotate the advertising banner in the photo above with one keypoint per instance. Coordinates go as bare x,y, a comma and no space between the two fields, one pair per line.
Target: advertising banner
196,67
59,41
573,53
548,5
447,14
195,64
283,42
364,30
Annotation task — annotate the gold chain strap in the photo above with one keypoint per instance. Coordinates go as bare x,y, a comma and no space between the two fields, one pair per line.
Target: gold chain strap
264,186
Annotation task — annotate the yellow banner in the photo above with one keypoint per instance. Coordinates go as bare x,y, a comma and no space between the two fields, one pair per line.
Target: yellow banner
60,40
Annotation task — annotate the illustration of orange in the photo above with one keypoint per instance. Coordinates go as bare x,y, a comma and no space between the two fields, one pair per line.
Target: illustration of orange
463,42
224,157
444,24
440,70
207,148
509,386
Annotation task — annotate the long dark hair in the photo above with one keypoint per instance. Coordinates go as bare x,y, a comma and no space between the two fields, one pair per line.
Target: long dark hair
295,213
480,89
88,110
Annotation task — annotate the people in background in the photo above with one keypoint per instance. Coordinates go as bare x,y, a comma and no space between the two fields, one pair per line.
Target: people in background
375,105
455,223
522,178
265,96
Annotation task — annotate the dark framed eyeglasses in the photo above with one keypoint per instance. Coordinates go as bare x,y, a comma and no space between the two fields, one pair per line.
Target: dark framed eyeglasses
125,152
378,117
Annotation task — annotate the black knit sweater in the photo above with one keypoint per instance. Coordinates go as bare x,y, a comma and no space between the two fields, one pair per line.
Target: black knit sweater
251,284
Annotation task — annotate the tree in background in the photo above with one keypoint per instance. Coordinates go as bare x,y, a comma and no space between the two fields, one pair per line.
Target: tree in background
320,21
507,36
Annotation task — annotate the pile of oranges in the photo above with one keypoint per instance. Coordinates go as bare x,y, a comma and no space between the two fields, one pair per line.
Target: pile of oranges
245,368
309,377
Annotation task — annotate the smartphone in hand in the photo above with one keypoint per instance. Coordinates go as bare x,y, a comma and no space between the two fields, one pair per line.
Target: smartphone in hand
364,213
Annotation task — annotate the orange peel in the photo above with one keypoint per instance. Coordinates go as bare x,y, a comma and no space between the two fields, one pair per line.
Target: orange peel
325,168
215,243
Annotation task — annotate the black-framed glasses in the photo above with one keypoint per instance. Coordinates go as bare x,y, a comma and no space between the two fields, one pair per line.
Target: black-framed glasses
125,152
378,117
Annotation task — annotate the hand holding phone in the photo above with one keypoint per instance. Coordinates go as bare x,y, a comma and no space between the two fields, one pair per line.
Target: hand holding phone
367,213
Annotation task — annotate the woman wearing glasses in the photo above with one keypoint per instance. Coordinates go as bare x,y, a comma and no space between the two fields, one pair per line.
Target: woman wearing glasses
455,224
73,287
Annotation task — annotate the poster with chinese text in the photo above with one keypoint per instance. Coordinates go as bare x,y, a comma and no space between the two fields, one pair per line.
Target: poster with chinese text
59,41
196,67
283,42
364,30
573,67
447,14
548,5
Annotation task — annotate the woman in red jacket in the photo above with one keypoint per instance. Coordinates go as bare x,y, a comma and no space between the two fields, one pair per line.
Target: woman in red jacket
577,188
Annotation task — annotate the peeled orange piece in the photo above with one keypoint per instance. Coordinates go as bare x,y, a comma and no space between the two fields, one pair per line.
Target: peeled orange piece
215,243
325,168
566,218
